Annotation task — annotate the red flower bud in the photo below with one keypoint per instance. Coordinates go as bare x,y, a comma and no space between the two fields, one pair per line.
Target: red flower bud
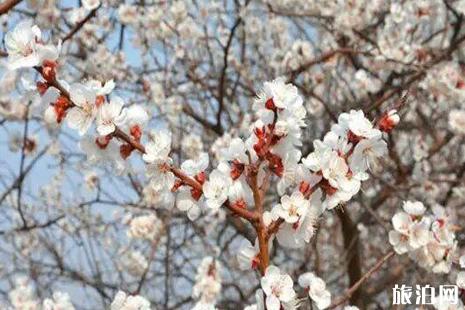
269,104
389,121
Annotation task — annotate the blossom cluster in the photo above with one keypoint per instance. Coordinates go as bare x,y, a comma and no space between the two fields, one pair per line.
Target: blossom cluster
145,227
207,283
277,291
327,177
81,104
123,301
23,296
428,237
265,151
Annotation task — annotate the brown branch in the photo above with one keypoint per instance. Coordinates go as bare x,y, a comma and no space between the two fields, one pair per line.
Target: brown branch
118,133
153,252
205,123
274,227
20,177
322,58
8,5
366,276
385,280
259,226
34,226
244,213
80,24
417,76
350,236
222,83
21,167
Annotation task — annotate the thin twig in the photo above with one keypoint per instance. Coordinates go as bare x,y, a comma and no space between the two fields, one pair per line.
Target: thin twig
80,24
365,277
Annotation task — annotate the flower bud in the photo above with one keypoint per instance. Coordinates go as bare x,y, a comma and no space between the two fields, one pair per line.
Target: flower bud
389,121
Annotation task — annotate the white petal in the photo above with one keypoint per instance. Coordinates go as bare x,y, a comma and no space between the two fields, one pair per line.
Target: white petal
272,303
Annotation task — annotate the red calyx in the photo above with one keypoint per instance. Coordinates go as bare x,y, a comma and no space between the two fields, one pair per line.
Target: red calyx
265,140
136,132
145,86
61,105
460,84
125,150
327,188
240,203
296,225
259,148
304,187
386,123
275,164
353,138
42,87
102,142
29,145
236,169
49,70
201,177
275,139
196,193
441,223
256,261
99,100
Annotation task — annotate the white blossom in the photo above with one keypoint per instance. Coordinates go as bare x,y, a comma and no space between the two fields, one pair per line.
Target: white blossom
278,288
25,48
457,121
83,114
462,261
207,281
366,153
157,156
90,4
292,207
122,301
109,116
461,280
316,289
216,189
145,227
59,301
